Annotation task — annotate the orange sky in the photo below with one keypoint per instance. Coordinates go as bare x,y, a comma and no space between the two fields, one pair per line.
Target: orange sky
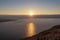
23,7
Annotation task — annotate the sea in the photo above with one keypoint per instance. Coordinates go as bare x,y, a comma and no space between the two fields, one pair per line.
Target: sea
21,27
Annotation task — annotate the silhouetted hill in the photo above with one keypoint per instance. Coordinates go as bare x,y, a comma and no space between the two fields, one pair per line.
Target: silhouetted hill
51,34
56,27
47,16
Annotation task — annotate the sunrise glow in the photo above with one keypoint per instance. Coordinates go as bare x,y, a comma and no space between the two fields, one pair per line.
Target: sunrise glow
31,13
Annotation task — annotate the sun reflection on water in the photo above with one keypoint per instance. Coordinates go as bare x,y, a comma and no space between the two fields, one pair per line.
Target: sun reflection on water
30,29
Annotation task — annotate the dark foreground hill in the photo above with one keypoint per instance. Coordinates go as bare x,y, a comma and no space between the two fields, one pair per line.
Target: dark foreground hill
51,34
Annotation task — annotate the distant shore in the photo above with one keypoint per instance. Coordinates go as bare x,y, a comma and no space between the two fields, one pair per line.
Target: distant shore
6,20
27,16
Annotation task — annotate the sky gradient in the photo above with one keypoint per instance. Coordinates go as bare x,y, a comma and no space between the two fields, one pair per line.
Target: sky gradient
22,7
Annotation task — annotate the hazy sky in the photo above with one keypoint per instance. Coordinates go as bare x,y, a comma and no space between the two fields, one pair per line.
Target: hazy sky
22,7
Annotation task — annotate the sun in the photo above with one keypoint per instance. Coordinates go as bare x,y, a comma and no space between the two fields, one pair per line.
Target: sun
31,13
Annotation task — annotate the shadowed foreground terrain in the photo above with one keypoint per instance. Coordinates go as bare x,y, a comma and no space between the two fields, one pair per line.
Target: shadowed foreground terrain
51,34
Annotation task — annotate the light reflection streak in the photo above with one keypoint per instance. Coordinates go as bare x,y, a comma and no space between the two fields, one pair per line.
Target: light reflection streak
30,29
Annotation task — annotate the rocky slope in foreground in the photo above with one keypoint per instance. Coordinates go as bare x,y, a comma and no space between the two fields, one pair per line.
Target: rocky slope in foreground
51,34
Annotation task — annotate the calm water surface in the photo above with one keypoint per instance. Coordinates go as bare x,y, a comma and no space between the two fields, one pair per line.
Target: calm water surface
26,27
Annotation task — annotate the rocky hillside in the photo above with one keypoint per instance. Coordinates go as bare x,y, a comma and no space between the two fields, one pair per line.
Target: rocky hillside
51,34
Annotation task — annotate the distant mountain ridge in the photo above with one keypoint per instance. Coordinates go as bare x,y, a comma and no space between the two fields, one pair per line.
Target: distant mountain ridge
34,16
48,16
